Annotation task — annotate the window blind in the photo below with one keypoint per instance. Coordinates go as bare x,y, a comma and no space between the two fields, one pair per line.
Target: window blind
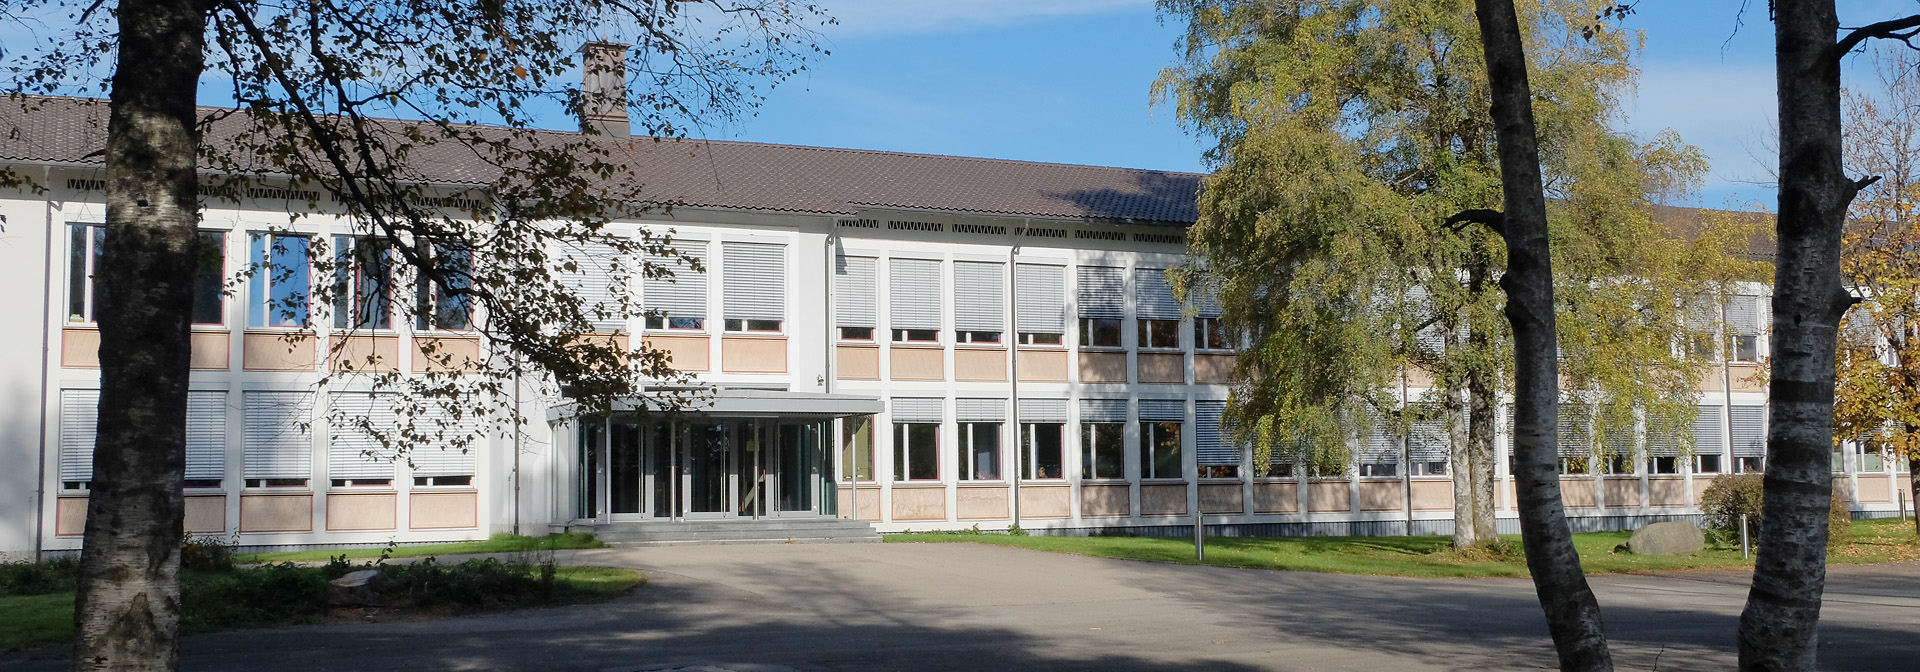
854,291
914,301
979,290
1103,410
1043,410
1212,445
438,455
1576,430
1379,445
206,435
353,452
684,294
1743,315
278,444
1102,292
919,409
1163,409
980,410
599,281
1749,431
1042,293
756,281
1205,296
1152,296
79,418
1430,442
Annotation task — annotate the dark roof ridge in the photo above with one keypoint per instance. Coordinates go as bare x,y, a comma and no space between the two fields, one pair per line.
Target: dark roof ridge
926,155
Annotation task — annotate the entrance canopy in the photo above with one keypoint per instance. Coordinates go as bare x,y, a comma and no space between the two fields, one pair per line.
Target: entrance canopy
743,403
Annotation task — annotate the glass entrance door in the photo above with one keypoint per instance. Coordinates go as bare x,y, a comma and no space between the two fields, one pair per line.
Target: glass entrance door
798,467
705,470
625,477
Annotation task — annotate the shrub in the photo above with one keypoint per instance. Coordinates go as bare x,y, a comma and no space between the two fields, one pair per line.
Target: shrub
259,594
1727,498
57,575
1839,520
206,553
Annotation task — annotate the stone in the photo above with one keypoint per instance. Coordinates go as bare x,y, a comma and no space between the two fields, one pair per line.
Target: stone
357,579
1676,537
358,589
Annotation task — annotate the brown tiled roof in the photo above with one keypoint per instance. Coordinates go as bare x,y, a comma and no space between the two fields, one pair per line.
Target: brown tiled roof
752,176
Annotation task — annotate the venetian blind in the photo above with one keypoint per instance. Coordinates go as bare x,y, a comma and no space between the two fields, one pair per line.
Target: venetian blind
914,287
1163,410
279,442
1212,446
979,290
1749,431
353,451
1043,410
206,435
1152,296
599,280
1102,292
756,281
79,417
1042,293
685,293
450,443
1103,410
919,409
854,291
980,410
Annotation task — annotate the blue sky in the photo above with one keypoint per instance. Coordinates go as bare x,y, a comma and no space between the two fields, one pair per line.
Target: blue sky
1067,81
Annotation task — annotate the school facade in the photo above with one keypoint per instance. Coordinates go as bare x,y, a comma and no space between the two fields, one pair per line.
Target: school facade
918,342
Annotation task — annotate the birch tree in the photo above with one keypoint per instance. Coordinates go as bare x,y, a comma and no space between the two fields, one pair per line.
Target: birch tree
314,88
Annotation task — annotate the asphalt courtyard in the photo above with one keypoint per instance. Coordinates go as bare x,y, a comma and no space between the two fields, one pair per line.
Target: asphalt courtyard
969,606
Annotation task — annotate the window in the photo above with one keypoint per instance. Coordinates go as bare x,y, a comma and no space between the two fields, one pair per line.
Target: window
1209,334
1569,464
1872,461
856,446
979,298
1219,471
88,241
1042,450
756,286
1102,450
1040,292
280,283
1618,464
1159,449
1213,450
1749,465
916,454
210,278
444,301
362,283
1280,470
1160,334
362,483
356,454
678,302
1379,469
979,452
279,439
916,336
1663,464
1745,347
443,481
976,337
854,281
1706,464
1099,332
914,312
1430,468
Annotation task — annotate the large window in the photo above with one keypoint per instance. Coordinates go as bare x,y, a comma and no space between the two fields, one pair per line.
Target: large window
1706,464
88,241
362,283
1159,449
916,451
1098,332
1157,311
914,312
1102,450
756,286
678,302
856,446
1042,450
444,301
854,281
979,452
1102,297
979,312
279,439
1040,291
280,285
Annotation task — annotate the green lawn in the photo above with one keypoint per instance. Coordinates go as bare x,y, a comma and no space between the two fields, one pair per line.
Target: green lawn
500,543
1872,541
37,620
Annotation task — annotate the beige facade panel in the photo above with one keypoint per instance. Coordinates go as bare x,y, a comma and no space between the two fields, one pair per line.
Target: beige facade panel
1746,377
276,513
980,364
1328,497
1576,492
1432,495
441,354
1222,498
1163,500
1667,491
919,503
1212,369
1509,500
684,353
443,510
272,351
739,354
1103,367
1381,496
206,514
1163,368
1098,501
368,354
1043,366
371,511
1046,501
80,348
1622,492
1276,498
618,342
982,503
1875,488
209,350
869,502
70,516
857,362
912,363
1901,485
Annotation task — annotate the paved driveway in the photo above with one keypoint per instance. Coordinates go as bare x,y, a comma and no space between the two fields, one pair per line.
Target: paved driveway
966,606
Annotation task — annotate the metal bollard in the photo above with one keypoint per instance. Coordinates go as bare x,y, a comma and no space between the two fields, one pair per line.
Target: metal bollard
1743,536
1902,494
1199,538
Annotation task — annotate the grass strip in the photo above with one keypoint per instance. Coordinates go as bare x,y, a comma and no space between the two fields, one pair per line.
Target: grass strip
499,543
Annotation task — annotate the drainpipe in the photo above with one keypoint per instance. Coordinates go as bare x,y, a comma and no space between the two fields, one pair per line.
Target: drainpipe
1406,456
46,322
1013,363
518,414
826,379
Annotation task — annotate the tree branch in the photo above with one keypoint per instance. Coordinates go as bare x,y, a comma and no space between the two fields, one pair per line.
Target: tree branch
1903,29
1493,219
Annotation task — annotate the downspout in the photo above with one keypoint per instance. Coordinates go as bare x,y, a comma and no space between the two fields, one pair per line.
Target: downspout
519,413
826,379
46,322
1406,456
1013,363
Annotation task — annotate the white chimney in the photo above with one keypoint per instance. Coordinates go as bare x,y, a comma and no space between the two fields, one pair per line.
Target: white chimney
603,88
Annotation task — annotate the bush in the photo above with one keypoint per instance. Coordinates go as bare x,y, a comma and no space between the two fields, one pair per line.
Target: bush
206,553
1727,498
57,575
1839,520
259,594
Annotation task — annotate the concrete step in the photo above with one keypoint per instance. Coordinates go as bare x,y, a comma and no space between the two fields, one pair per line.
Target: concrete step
734,531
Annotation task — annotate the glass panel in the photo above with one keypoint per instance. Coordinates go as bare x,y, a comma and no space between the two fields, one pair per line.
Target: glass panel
1163,438
659,456
799,448
77,269
623,469
856,445
981,461
919,452
209,278
706,469
1101,445
752,470
591,433
1041,451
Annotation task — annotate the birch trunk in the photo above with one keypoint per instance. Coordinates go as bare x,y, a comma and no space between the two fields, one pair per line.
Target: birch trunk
1481,395
1573,615
1465,534
126,613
